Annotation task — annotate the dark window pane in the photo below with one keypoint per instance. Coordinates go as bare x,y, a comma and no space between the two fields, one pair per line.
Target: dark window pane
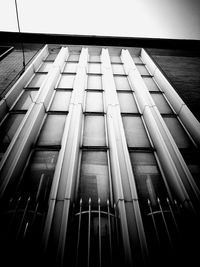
135,132
94,180
8,129
178,133
94,131
52,130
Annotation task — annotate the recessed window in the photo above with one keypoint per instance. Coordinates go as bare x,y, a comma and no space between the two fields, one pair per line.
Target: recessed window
150,83
38,177
135,132
94,102
142,70
115,59
73,57
66,81
94,58
94,179
37,80
118,69
121,83
137,60
149,182
51,56
94,131
161,103
8,129
94,82
70,67
178,133
127,103
25,100
94,68
45,67
52,130
61,101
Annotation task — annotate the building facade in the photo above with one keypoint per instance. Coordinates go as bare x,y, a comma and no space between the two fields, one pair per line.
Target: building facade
99,162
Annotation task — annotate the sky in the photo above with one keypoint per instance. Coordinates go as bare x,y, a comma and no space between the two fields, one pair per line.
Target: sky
176,19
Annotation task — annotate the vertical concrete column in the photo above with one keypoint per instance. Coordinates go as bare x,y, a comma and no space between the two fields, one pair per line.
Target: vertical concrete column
17,88
19,149
65,175
178,176
186,116
125,195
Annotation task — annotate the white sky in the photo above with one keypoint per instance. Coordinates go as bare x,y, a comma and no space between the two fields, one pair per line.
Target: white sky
178,19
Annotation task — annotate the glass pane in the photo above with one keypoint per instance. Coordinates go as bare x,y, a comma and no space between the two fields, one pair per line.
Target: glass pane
25,100
51,56
46,66
180,137
137,60
94,181
115,59
8,129
39,175
142,70
94,82
161,103
52,130
149,182
37,80
94,102
70,67
94,131
66,81
118,69
94,67
151,85
73,57
94,58
121,83
61,101
136,135
127,102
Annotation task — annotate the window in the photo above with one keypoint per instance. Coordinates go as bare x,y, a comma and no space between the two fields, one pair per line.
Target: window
94,82
25,100
121,83
94,179
66,81
61,101
115,59
137,60
38,176
135,133
37,80
94,68
8,129
70,67
94,131
94,102
127,102
94,58
178,133
73,57
45,67
142,70
149,182
51,56
161,103
52,130
150,83
118,68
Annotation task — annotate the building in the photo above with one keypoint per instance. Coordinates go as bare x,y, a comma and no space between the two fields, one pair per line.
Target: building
99,159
